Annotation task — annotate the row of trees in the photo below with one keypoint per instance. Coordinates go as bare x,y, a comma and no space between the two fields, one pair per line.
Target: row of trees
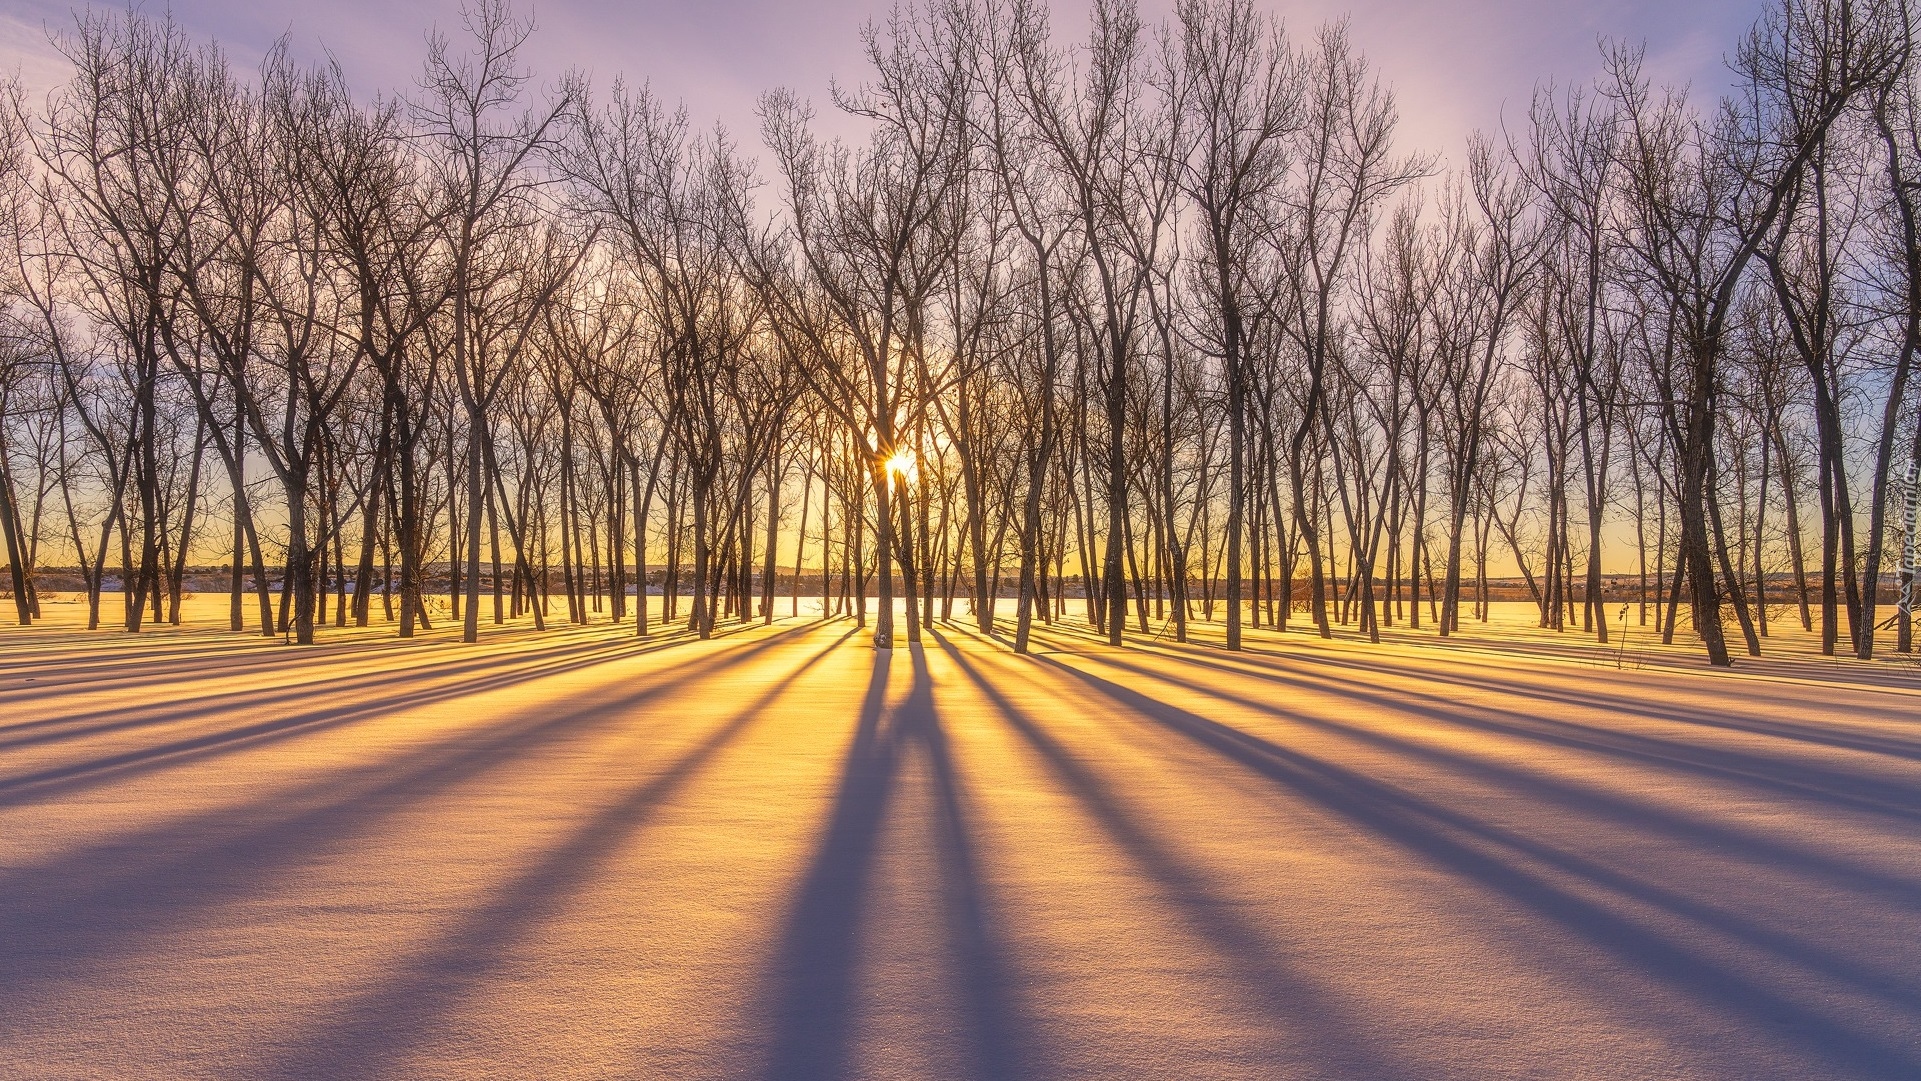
1145,328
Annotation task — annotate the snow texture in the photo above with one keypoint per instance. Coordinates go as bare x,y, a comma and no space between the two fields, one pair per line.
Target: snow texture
782,855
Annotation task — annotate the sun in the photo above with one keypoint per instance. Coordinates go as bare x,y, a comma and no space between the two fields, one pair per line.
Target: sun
904,465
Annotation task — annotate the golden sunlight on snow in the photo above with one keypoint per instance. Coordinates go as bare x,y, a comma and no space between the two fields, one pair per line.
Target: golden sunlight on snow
781,854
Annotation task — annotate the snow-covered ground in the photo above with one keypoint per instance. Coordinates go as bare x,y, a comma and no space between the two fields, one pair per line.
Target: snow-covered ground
779,854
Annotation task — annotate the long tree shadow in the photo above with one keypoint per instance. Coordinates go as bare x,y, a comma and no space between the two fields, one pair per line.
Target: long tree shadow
813,983
1887,671
70,777
1554,686
1802,663
96,663
294,676
1000,1044
1431,832
447,679
1538,687
301,671
1551,686
1626,814
1792,777
103,898
301,676
813,977
1290,997
382,1023
1586,799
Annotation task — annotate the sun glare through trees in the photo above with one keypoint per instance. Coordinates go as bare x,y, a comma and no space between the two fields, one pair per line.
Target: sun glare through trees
1085,550
903,467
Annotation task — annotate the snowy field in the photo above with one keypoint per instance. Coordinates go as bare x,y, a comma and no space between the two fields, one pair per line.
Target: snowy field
781,855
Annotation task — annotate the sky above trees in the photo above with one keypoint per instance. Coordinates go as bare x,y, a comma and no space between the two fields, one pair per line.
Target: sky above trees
1456,66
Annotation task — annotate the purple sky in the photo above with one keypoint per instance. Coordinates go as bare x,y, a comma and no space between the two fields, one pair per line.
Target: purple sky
1455,66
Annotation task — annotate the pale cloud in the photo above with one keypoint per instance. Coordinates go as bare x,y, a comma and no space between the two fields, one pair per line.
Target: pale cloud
28,53
1467,65
1456,67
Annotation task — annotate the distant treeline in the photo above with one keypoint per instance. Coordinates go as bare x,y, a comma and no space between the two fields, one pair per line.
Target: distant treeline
1121,324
